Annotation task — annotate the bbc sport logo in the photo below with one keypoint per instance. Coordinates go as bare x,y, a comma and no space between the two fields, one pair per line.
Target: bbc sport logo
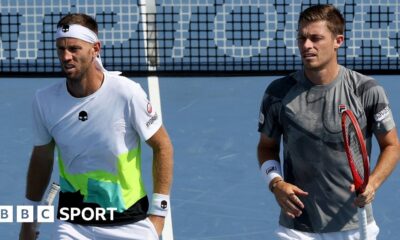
46,214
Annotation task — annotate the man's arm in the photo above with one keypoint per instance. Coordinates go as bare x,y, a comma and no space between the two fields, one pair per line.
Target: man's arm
162,161
39,171
286,194
162,169
267,149
388,158
39,174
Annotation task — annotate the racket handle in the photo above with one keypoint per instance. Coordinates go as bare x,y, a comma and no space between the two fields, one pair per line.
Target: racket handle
48,201
362,221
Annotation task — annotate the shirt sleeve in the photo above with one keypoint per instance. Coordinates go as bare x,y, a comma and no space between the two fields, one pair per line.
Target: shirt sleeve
269,117
378,109
41,134
145,119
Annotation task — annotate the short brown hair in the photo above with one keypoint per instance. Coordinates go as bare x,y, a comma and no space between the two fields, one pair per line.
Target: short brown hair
325,12
81,19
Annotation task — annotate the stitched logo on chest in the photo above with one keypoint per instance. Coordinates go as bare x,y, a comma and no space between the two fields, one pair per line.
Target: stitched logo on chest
342,108
83,116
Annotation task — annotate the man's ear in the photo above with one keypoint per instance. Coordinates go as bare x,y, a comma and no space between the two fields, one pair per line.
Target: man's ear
97,48
339,40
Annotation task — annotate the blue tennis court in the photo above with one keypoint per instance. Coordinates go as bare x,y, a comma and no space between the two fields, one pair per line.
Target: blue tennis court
218,192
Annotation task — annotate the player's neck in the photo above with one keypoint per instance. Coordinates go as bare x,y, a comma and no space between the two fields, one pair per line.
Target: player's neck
323,76
86,85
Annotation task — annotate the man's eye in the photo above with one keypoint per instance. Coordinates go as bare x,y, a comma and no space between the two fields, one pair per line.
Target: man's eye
316,39
74,49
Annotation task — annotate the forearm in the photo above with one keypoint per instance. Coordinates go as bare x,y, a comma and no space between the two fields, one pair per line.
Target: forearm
265,153
39,174
267,150
163,168
162,177
37,181
386,163
270,168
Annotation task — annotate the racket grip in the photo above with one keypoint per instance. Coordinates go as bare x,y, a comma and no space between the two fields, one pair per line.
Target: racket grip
362,221
48,201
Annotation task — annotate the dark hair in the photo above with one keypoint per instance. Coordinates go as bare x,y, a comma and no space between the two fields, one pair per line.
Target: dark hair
326,12
81,19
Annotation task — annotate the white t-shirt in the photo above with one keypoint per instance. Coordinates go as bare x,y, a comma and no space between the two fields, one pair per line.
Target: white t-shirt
116,114
98,138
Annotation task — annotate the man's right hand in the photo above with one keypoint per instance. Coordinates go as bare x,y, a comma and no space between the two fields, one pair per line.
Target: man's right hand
286,195
28,231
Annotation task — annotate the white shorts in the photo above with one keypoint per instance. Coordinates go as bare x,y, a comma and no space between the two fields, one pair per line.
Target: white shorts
141,230
284,233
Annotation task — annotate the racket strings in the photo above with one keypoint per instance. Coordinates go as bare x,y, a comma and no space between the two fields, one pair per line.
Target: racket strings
355,148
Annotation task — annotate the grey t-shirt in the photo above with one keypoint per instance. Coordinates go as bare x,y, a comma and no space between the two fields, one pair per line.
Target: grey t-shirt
307,117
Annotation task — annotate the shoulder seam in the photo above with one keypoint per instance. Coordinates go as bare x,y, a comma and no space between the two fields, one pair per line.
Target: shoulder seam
281,86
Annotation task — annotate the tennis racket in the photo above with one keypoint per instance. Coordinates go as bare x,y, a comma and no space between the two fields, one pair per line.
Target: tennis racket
357,157
51,195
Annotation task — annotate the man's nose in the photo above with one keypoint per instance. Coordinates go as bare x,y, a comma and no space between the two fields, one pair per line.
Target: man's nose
65,55
307,43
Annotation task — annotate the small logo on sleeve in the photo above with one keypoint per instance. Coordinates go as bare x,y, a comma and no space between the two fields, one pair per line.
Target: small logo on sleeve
384,113
261,118
149,108
152,120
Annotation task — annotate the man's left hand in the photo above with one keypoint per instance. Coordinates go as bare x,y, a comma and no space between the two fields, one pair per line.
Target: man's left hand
364,198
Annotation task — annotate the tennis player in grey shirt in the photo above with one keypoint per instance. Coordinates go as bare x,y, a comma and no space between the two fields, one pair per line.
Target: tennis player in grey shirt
313,183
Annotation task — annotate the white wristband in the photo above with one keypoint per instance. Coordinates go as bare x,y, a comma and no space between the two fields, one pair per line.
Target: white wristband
271,169
159,205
